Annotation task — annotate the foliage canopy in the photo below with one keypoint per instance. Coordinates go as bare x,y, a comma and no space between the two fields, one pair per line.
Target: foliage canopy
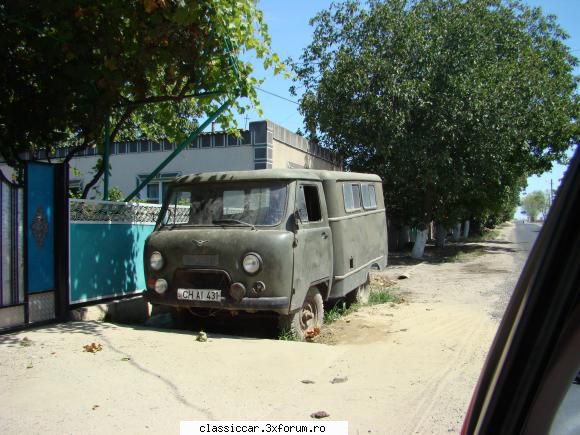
454,103
153,66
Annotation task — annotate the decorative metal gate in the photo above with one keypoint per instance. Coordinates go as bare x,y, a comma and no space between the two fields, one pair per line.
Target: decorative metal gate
34,226
12,294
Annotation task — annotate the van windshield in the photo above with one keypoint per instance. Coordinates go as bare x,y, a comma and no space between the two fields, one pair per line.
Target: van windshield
222,204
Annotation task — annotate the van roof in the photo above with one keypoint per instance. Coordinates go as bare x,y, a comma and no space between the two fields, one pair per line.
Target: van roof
275,174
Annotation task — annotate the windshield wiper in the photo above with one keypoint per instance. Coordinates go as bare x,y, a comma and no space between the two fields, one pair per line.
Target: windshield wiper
233,221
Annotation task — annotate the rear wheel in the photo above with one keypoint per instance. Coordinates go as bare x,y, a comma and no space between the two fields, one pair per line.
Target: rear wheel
307,318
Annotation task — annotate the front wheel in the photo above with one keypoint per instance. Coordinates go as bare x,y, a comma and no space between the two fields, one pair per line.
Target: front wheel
307,318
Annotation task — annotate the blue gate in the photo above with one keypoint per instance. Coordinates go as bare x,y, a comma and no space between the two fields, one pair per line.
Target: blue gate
33,268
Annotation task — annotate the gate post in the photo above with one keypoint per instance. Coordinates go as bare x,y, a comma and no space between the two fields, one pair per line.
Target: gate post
61,246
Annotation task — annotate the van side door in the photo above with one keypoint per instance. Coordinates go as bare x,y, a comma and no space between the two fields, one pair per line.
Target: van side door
313,244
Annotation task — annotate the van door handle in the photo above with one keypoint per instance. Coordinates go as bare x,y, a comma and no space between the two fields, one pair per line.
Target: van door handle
324,235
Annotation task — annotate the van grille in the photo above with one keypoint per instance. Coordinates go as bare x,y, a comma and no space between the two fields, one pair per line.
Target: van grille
202,279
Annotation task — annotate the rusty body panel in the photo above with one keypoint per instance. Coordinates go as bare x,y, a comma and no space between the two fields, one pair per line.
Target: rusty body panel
294,226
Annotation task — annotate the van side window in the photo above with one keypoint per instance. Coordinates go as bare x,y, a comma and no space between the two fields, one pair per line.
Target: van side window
309,204
369,197
351,193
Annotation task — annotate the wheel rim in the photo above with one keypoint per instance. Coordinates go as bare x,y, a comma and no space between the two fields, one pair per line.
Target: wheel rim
308,315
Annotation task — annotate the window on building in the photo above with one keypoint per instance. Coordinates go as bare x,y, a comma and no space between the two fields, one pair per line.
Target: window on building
156,190
369,198
122,148
246,137
219,140
155,146
309,204
153,192
232,140
144,146
206,141
351,193
133,147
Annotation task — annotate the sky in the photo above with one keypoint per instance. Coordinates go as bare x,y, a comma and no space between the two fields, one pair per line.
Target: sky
288,24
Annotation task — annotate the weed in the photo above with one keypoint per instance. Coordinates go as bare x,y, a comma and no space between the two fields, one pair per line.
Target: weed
287,335
381,296
339,310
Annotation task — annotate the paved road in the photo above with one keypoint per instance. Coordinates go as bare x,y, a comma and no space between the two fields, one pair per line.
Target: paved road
519,241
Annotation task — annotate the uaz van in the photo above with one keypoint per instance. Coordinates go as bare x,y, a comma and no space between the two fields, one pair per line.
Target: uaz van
276,241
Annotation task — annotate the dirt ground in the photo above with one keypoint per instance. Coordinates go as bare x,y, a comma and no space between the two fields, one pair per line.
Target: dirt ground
394,368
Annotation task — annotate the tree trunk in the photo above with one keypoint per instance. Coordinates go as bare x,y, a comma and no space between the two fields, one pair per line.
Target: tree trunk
440,233
456,233
419,246
466,229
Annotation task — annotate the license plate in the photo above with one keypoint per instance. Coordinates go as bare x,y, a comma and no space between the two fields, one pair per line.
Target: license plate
189,294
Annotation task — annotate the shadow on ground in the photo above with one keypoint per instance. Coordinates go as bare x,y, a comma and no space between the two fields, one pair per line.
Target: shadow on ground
237,327
451,252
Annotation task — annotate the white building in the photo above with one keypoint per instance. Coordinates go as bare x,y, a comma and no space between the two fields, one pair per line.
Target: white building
264,145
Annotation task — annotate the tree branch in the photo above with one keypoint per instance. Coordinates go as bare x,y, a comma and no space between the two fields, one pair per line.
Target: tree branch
84,144
112,136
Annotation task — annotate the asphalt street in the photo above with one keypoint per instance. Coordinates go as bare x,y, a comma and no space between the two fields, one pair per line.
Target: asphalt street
520,241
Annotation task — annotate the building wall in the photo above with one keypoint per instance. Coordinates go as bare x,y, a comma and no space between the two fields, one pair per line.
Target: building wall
278,147
263,145
126,168
285,156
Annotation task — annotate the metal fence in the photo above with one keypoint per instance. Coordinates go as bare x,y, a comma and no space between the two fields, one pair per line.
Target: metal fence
106,248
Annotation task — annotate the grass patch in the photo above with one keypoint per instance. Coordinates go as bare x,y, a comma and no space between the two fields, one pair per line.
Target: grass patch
339,310
383,296
286,335
377,296
487,236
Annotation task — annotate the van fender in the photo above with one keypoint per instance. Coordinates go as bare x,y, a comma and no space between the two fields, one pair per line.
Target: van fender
298,296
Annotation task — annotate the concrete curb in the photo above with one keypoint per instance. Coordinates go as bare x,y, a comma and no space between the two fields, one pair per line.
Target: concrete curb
132,310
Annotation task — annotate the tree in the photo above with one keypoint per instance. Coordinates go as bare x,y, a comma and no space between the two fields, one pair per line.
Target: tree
534,204
453,103
153,67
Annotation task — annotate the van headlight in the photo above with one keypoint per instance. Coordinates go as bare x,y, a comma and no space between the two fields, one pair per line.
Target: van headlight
156,261
252,263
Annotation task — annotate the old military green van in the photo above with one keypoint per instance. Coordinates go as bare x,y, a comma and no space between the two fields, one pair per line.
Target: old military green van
280,241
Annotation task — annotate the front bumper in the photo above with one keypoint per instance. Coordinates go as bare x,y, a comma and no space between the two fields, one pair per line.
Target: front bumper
279,304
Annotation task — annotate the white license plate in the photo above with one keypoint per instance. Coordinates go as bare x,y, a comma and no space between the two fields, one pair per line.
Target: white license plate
190,294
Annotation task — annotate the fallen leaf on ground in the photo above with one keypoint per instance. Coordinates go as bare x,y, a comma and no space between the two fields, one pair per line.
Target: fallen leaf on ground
307,381
126,359
93,347
320,414
202,336
95,407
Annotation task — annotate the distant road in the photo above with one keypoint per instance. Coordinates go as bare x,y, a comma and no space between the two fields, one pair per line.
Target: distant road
521,239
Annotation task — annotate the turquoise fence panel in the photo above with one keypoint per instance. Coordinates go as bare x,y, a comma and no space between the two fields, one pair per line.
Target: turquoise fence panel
106,249
40,227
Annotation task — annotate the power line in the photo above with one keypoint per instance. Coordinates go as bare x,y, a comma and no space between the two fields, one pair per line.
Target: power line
278,96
